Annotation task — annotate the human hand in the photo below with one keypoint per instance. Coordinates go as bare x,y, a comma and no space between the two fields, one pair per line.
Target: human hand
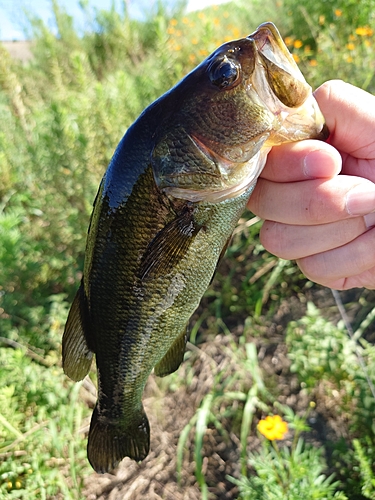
323,220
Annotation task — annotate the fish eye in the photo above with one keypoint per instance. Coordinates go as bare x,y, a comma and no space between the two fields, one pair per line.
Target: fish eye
224,74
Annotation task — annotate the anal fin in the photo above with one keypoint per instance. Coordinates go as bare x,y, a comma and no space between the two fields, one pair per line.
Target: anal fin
173,358
76,355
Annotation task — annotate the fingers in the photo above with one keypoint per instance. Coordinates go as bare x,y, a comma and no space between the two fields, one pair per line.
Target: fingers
303,160
344,267
296,242
312,202
350,117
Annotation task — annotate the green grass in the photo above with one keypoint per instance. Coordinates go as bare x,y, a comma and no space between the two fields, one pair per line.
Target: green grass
61,116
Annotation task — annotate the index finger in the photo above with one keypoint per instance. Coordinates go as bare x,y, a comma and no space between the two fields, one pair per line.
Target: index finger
350,116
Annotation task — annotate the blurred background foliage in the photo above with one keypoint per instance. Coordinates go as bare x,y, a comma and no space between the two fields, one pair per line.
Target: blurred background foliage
61,117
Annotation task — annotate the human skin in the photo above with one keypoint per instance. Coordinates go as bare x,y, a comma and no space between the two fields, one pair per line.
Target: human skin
318,199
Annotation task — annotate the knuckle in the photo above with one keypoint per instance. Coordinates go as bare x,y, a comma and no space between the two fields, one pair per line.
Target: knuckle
273,236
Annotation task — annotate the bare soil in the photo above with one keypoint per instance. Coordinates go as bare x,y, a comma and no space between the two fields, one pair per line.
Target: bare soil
170,410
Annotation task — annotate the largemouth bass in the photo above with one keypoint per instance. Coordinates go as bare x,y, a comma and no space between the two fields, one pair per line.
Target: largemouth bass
163,216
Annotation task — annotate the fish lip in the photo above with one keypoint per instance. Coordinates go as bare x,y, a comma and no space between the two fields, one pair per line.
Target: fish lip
268,35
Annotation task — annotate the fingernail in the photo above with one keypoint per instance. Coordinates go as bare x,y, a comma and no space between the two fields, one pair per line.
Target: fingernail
320,163
361,199
370,220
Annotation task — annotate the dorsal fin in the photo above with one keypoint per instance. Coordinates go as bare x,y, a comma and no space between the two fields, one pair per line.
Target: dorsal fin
76,355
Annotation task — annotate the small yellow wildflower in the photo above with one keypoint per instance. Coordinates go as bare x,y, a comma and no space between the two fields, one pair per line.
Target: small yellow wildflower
178,33
216,21
194,41
367,43
352,38
297,44
338,12
192,58
173,22
364,31
203,52
288,41
18,485
349,59
322,19
273,427
296,58
170,31
236,32
201,16
350,46
313,62
185,20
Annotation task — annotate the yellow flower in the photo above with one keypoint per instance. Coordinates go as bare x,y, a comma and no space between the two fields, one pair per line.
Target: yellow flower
273,427
288,41
298,44
296,58
173,22
350,46
313,62
236,32
364,31
338,12
322,19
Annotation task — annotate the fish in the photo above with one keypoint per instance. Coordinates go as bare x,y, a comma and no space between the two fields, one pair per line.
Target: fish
162,219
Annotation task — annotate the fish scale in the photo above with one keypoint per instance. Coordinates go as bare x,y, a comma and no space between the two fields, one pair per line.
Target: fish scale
163,216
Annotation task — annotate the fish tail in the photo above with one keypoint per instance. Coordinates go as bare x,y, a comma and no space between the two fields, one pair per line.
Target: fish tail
110,442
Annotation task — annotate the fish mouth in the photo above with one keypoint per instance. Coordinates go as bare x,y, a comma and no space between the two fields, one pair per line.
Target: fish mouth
280,85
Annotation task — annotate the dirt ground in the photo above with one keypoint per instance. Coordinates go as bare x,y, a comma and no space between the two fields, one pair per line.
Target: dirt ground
155,478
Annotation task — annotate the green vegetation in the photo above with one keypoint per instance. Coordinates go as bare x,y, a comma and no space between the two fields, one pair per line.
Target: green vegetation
61,116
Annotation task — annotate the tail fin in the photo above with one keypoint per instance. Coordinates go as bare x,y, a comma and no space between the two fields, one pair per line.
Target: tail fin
110,442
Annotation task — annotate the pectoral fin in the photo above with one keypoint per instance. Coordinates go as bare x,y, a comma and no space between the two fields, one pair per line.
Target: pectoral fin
170,245
76,355
173,358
